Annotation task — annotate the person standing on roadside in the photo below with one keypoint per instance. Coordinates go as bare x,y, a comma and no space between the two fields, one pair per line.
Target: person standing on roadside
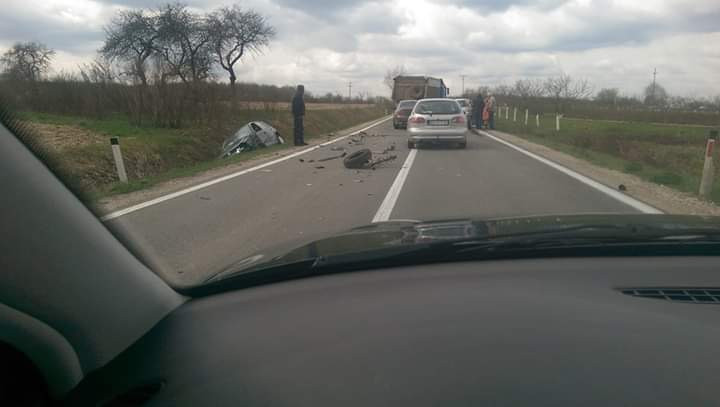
477,112
298,111
490,105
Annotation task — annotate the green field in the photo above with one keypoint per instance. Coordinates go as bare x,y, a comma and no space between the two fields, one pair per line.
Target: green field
154,154
671,155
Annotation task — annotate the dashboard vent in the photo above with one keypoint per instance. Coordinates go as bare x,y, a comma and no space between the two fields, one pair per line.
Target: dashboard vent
689,295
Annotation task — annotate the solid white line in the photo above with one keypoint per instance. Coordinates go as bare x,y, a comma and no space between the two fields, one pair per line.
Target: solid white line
388,203
194,188
632,202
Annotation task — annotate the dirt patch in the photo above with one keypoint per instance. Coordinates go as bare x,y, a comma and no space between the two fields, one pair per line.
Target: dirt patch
57,137
666,199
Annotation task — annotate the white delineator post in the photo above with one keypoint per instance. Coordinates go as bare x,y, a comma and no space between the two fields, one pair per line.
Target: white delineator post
507,110
557,122
537,120
514,114
526,116
706,182
117,155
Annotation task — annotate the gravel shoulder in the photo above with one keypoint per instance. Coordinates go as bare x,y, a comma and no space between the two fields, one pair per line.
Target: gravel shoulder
118,202
666,199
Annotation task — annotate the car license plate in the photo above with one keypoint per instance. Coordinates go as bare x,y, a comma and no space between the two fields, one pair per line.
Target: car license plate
438,122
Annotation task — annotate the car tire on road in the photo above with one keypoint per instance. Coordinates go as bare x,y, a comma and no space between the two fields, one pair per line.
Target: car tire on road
358,159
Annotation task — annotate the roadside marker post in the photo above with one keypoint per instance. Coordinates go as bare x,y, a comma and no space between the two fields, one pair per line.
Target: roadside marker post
526,117
537,120
706,182
514,114
507,110
117,155
557,122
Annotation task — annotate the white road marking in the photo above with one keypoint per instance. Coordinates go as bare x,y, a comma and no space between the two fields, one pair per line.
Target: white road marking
632,202
388,203
197,187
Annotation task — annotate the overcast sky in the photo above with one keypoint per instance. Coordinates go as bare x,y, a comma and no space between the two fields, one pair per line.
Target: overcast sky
327,43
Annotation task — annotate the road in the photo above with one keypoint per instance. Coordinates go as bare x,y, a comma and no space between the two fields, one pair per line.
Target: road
295,200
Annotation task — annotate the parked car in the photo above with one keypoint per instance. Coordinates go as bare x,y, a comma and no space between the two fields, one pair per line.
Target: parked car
402,112
437,121
466,105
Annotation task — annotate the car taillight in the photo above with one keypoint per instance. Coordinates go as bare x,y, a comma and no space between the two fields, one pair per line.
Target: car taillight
458,119
417,119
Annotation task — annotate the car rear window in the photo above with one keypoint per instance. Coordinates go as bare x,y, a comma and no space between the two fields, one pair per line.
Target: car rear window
437,107
407,105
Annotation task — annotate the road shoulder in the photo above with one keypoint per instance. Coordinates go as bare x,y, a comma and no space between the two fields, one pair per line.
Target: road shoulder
666,199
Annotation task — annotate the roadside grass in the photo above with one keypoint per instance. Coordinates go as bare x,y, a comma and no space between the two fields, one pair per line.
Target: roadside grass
154,155
659,153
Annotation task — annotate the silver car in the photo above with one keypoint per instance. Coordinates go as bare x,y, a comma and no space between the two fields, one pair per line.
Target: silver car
437,121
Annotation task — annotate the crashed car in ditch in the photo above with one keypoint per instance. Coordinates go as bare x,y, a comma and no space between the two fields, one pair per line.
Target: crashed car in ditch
253,135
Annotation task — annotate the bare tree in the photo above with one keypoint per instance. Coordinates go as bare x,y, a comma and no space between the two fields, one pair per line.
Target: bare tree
131,37
656,95
184,43
564,87
234,32
528,88
391,74
607,96
27,61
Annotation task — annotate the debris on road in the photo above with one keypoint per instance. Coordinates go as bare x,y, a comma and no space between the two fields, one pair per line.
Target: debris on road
253,135
332,157
301,160
358,159
622,187
319,167
265,170
337,148
205,198
375,162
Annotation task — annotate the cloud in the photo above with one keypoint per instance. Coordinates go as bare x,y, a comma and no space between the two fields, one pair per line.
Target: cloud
326,43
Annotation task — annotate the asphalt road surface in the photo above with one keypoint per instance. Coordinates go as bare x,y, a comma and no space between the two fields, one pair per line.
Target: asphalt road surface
191,236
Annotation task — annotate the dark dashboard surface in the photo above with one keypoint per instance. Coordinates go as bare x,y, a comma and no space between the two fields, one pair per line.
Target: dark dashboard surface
547,332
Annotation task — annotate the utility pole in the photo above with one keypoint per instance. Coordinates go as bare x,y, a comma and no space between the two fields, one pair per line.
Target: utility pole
463,85
652,95
349,91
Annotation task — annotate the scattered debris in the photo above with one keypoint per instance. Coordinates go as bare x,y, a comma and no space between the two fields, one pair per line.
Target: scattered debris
319,167
249,137
337,148
332,157
301,160
377,161
205,198
622,187
358,159
266,170
357,180
311,161
308,185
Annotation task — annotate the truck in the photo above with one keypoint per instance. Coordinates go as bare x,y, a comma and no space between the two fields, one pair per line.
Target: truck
418,87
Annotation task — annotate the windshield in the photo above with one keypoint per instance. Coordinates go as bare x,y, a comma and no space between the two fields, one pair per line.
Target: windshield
213,136
437,107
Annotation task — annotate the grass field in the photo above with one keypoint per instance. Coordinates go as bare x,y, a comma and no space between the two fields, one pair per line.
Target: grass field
670,155
80,151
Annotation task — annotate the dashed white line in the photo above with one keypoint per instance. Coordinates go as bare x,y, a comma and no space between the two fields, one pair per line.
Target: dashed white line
194,188
632,202
388,203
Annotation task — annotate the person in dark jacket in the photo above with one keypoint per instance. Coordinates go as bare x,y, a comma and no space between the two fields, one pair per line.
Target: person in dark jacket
478,107
298,111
